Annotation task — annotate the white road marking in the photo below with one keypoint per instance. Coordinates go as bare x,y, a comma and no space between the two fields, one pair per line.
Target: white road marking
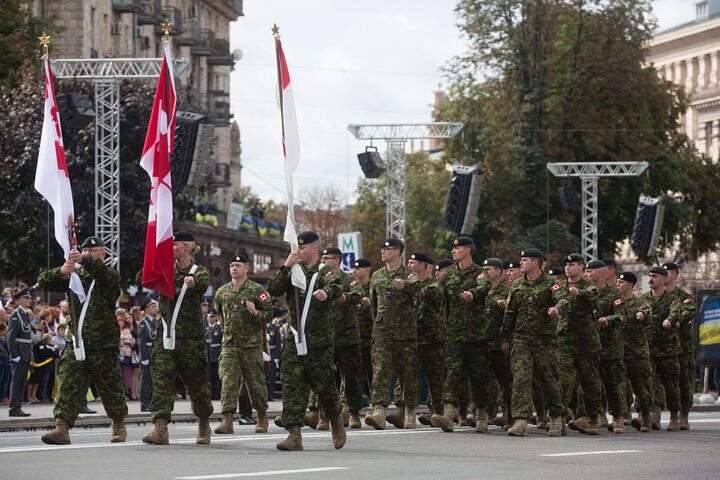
598,452
262,474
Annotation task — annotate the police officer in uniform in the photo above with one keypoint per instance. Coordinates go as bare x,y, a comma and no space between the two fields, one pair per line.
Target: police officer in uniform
19,343
147,331
214,337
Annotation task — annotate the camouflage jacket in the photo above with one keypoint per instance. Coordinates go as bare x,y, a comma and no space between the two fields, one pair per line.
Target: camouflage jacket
240,328
663,342
494,315
466,320
100,329
318,324
610,336
363,314
577,326
190,322
430,327
633,330
393,316
345,323
683,313
526,315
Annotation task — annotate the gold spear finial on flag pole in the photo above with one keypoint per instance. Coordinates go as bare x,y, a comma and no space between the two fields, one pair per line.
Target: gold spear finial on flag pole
45,42
276,30
166,27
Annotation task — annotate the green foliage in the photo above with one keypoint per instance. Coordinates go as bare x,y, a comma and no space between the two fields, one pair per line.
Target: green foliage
368,216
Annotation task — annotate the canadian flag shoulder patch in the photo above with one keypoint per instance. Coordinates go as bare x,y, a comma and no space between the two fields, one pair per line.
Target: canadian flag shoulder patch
556,287
688,300
619,301
263,296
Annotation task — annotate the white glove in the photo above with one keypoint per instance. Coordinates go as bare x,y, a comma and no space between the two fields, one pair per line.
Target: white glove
145,362
15,360
266,356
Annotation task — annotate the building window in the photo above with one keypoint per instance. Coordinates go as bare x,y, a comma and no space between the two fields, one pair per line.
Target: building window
701,10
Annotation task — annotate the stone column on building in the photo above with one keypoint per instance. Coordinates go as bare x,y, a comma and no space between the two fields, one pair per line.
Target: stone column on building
714,139
701,140
702,72
690,75
713,77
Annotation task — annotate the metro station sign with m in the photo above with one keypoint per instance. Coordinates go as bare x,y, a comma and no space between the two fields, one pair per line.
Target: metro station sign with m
350,244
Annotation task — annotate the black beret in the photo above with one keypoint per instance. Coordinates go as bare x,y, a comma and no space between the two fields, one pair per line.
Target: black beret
393,242
532,253
628,277
575,258
609,262
183,237
362,263
212,311
670,266
91,242
659,270
593,264
444,263
493,262
463,241
332,251
507,264
306,238
239,258
25,292
421,257
555,271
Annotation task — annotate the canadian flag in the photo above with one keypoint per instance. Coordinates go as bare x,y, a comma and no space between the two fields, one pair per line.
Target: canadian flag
52,180
158,266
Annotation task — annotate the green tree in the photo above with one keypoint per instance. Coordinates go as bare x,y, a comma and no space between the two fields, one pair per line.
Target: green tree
368,216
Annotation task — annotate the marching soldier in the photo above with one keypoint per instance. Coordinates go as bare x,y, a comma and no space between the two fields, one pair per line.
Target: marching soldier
19,339
147,331
363,313
98,332
245,307
214,339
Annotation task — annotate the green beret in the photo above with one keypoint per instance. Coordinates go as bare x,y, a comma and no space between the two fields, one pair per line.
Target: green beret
628,277
421,257
91,242
444,263
493,262
659,270
552,271
609,262
393,243
306,238
532,253
332,251
593,264
575,258
670,266
362,263
239,258
463,241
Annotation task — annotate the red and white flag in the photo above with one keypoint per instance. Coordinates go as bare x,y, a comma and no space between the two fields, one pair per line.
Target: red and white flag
291,150
158,266
52,180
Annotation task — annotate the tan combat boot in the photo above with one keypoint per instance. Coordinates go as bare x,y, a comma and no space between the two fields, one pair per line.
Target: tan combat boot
279,421
338,432
345,414
262,423
444,421
684,423
481,421
645,423
555,427
119,432
674,425
376,419
59,436
293,441
397,419
410,420
226,424
519,428
542,420
424,418
593,428
159,436
581,424
655,418
323,423
355,421
636,423
204,432
618,425
463,420
311,419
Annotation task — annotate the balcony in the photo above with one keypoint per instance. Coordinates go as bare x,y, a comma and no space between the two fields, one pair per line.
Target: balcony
202,47
220,53
236,5
175,17
218,107
190,36
152,12
127,6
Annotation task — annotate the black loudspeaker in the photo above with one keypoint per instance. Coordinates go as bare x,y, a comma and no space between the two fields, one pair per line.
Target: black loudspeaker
76,110
647,227
186,132
463,200
371,163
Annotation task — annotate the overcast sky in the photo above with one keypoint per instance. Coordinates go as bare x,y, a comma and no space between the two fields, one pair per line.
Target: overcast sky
350,62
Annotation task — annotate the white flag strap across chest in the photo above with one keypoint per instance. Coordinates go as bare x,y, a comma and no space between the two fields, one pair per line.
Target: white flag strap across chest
169,337
78,344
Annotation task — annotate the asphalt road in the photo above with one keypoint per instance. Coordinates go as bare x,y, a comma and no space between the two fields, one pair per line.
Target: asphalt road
424,453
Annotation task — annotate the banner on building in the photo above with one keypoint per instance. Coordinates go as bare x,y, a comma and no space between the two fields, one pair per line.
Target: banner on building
708,327
350,244
234,216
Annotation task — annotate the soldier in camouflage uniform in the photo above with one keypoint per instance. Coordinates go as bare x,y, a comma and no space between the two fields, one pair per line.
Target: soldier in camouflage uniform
463,290
664,349
244,308
530,324
99,336
394,347
579,342
363,313
633,313
188,356
314,368
683,311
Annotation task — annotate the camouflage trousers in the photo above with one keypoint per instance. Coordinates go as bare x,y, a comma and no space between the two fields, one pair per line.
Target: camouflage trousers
100,365
402,358
348,359
299,374
431,366
613,376
247,363
581,370
189,361
465,361
687,380
367,369
500,368
525,360
639,372
666,382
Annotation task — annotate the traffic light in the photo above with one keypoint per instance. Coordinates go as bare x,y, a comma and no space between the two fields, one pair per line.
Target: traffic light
647,227
463,200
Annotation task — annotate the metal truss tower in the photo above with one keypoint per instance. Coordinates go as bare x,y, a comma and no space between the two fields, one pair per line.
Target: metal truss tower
106,73
396,135
589,174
